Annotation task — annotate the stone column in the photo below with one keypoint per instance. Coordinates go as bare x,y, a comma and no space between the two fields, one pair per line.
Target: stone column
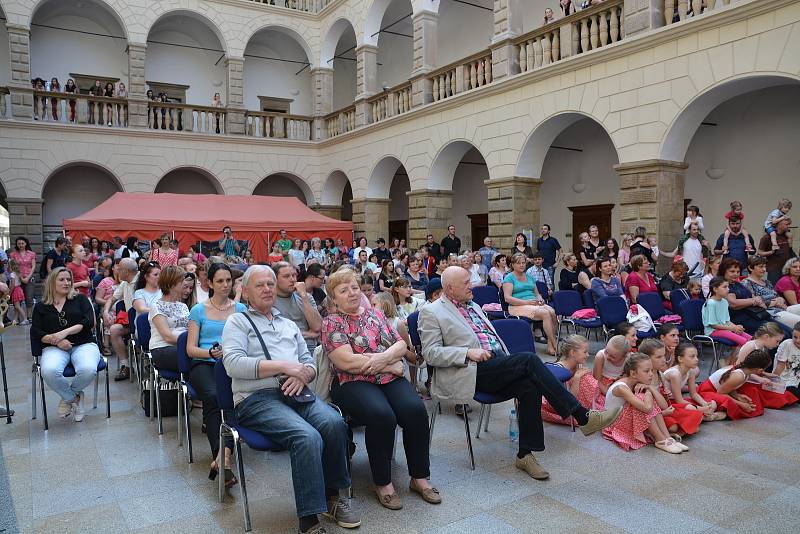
334,212
424,60
651,195
322,99
430,211
19,42
137,100
235,98
25,218
507,26
371,218
642,15
366,81
513,206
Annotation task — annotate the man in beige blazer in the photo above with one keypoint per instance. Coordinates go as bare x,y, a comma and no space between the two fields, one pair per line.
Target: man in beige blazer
460,343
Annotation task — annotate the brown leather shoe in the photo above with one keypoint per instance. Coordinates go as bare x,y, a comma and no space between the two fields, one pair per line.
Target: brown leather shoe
429,495
391,501
529,464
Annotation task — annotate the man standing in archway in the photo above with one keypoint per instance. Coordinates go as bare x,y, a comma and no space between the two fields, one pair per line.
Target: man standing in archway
451,244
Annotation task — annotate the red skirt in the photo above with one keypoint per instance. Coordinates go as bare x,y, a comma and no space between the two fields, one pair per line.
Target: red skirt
687,421
724,402
776,401
587,391
600,398
628,430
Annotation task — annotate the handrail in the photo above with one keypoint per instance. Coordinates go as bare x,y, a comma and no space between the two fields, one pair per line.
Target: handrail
463,75
3,106
309,6
54,106
393,101
186,117
278,125
680,10
340,121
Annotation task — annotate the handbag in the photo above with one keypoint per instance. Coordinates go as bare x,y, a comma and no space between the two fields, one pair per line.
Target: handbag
758,313
168,398
304,396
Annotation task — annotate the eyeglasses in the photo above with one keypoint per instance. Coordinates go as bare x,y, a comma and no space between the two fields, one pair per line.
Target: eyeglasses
62,318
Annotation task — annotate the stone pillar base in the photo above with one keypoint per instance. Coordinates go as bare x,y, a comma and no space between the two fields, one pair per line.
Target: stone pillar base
334,212
25,219
513,206
371,218
235,122
138,113
651,195
505,60
430,211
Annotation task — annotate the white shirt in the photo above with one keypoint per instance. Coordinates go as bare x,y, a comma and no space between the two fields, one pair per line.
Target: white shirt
789,353
693,255
200,293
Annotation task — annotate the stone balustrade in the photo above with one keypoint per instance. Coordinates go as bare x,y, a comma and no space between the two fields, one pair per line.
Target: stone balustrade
278,126
391,102
79,109
4,107
444,83
680,10
580,32
341,121
309,6
477,71
186,117
463,75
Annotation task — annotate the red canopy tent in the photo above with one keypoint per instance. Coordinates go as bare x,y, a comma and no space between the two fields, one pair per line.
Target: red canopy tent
256,219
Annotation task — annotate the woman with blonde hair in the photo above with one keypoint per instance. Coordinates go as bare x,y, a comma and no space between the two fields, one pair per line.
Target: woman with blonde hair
64,323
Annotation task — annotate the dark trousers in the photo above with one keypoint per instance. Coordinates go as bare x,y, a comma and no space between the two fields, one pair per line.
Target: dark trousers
165,358
381,408
201,377
525,376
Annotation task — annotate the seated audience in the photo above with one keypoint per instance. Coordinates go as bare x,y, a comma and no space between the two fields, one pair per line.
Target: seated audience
568,279
201,289
169,318
467,262
127,274
296,256
147,290
386,276
366,353
711,270
416,277
499,271
640,246
294,302
539,273
203,346
521,247
717,319
264,386
788,285
468,354
746,309
606,284
404,298
315,280
676,278
187,291
640,280
64,323
524,300
778,306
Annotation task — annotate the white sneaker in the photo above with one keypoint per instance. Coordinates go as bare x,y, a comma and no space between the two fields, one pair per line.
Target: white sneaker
77,409
64,408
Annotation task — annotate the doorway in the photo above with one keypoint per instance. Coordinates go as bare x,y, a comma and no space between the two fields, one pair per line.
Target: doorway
398,229
585,216
479,223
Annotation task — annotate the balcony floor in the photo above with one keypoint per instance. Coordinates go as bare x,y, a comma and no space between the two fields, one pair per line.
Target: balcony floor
117,475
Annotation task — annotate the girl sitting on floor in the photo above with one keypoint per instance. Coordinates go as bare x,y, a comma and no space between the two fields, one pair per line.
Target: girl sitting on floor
640,413
608,363
572,358
717,318
682,377
670,337
787,362
740,398
678,420
628,331
767,337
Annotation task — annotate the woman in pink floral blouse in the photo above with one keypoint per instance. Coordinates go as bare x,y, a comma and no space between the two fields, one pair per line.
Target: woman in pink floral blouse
367,355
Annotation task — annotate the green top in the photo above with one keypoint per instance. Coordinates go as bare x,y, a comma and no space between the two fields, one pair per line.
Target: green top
285,244
715,312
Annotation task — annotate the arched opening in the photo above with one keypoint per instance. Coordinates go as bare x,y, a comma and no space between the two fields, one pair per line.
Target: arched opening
284,184
394,36
390,180
461,168
189,181
339,54
277,77
575,157
338,192
186,59
71,191
745,149
80,39
463,28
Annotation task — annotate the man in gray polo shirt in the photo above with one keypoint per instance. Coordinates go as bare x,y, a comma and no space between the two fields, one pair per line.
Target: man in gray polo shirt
295,303
314,433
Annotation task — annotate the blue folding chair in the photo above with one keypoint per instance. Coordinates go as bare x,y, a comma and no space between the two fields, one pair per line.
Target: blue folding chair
69,372
614,310
230,428
142,323
186,392
676,296
543,291
488,295
413,333
135,358
655,307
156,375
588,299
691,312
567,302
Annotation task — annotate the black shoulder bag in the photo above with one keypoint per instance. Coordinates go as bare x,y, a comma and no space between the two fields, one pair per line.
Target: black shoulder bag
304,396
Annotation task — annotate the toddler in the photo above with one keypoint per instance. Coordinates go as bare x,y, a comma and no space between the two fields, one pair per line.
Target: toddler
692,216
736,211
695,289
775,216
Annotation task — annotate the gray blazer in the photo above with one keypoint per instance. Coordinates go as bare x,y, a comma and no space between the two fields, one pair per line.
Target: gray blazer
446,336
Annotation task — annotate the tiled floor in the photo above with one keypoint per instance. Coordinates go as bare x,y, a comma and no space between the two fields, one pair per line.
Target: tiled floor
117,475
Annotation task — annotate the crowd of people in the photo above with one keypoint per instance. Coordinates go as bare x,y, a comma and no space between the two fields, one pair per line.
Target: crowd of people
50,107
320,320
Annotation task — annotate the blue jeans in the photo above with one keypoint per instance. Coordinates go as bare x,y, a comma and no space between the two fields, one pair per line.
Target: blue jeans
84,359
316,437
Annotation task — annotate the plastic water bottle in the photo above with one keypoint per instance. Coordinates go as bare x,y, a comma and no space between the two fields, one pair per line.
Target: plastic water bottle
513,426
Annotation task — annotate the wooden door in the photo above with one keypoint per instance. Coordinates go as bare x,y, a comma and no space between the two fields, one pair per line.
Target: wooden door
585,216
398,229
480,229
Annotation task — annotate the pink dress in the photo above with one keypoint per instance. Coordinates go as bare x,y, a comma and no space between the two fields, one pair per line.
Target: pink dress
628,430
17,295
25,260
611,373
164,258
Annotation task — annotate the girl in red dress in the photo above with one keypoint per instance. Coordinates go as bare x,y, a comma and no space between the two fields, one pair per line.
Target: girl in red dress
607,367
669,335
640,412
682,377
572,357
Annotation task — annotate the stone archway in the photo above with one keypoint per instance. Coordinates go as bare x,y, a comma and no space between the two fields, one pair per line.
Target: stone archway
284,184
189,181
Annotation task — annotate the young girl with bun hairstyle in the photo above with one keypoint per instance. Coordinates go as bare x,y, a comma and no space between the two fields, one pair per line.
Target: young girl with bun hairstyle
572,359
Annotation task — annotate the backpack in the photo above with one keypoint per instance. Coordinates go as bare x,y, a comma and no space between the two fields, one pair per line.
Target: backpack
43,266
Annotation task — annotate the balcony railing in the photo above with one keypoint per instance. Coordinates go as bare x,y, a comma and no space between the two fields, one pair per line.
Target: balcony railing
80,109
4,95
278,125
341,121
462,75
680,10
186,118
391,102
309,6
592,28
